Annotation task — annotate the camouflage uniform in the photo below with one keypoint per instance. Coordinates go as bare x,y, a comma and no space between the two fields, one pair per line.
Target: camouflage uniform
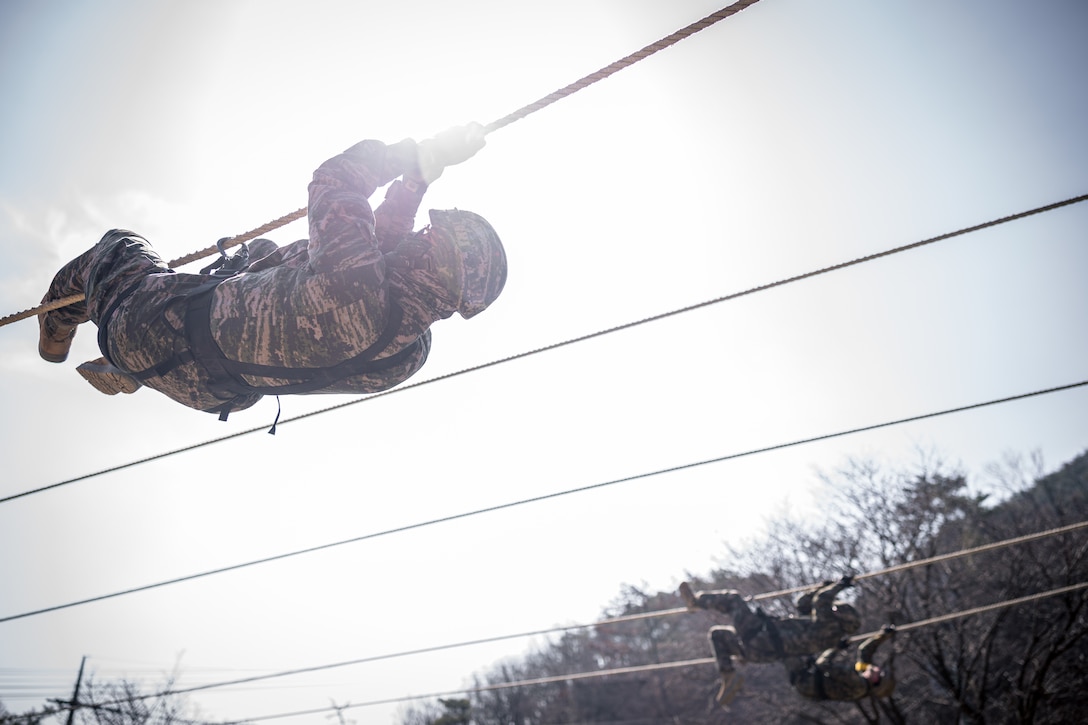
311,304
832,676
757,637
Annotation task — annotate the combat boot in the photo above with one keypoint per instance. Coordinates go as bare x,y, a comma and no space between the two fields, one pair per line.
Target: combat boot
106,378
688,596
54,339
732,681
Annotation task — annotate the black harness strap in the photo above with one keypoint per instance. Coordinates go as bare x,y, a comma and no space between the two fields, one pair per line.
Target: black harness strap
772,632
313,378
818,676
225,375
183,356
204,350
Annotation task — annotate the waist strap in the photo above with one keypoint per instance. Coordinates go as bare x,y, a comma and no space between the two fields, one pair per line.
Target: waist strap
225,375
228,373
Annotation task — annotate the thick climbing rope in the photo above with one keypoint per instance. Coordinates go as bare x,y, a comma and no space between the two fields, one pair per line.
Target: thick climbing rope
621,64
939,558
493,126
633,669
488,688
193,256
977,610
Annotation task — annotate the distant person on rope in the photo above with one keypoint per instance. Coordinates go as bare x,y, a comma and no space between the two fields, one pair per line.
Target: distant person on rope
758,637
832,675
347,311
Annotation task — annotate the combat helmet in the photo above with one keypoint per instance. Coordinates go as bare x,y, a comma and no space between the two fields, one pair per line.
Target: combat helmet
481,259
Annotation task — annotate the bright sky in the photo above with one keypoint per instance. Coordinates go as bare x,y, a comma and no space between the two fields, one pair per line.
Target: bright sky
791,137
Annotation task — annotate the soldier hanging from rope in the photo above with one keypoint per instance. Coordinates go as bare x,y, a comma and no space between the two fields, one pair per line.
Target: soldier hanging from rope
832,675
757,637
348,310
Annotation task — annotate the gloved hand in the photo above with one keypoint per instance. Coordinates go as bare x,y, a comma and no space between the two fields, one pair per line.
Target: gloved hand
448,148
847,580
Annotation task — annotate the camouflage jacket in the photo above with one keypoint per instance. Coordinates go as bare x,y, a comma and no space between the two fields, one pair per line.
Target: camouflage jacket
766,638
310,304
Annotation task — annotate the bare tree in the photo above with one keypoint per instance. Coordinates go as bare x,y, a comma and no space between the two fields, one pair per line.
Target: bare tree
1024,665
122,702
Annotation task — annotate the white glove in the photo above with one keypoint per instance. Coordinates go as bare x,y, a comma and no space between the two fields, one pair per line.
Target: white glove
448,148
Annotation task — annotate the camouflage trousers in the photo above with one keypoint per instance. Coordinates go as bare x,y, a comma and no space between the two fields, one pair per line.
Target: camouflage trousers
309,305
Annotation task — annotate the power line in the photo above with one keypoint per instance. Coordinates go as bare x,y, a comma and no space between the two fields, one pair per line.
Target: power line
493,126
536,499
626,670
404,653
647,615
571,341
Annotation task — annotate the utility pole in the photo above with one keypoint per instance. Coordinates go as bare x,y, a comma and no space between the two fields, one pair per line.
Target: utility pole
75,692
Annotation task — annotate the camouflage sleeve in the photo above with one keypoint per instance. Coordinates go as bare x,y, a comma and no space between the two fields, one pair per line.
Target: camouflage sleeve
825,658
342,233
824,601
395,218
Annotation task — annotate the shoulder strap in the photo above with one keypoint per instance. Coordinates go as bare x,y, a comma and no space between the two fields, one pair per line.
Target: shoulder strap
198,293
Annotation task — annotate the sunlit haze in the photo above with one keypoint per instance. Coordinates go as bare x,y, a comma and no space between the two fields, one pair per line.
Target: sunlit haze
794,136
